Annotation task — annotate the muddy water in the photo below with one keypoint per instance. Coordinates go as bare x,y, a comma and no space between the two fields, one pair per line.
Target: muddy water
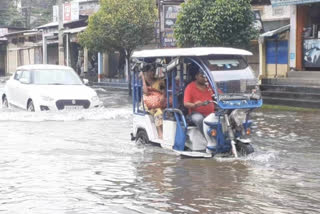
84,162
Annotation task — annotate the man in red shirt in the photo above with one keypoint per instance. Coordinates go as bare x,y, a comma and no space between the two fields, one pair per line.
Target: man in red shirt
196,97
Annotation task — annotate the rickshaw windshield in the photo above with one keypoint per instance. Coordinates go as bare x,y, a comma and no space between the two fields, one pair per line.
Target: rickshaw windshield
231,74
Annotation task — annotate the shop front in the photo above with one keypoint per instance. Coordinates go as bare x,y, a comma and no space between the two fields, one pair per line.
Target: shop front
305,26
309,35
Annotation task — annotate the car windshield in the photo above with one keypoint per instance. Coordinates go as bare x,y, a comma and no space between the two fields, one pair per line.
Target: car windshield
232,74
56,77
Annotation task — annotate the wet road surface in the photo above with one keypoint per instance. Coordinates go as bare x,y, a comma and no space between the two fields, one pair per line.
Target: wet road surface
84,162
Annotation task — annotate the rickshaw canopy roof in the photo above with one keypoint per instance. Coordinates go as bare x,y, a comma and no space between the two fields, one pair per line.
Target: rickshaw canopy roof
199,51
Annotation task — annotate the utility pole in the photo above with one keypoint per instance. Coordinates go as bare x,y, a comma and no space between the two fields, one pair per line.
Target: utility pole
60,29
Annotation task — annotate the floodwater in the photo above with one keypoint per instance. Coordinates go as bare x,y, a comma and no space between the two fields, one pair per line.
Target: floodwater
83,162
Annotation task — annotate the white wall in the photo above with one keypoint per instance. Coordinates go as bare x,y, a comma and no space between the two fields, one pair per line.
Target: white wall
269,13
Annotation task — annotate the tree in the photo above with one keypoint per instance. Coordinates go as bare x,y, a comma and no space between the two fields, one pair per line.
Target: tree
10,16
120,25
226,23
32,13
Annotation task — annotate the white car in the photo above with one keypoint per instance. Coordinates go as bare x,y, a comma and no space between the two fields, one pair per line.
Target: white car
48,87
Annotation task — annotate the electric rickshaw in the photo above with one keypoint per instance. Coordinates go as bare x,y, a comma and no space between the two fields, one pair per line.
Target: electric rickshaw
236,94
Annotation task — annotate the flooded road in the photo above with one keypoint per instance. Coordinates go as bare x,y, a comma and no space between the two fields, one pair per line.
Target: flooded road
84,162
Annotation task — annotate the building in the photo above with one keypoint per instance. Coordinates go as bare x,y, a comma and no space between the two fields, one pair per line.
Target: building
40,45
4,30
295,77
271,49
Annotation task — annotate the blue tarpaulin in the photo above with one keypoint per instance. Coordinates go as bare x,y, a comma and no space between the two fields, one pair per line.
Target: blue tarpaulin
277,52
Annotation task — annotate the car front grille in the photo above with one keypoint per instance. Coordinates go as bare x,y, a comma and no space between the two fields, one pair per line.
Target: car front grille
62,103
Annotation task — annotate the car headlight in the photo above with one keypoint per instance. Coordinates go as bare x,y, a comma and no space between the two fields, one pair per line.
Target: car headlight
47,98
94,98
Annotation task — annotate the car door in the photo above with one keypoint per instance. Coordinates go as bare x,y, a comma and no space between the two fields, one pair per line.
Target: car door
11,87
23,88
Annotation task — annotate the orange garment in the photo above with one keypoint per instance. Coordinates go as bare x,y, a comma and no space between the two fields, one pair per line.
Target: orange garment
193,94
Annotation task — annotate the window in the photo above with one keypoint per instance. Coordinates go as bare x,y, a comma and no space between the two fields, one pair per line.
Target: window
17,75
26,75
225,62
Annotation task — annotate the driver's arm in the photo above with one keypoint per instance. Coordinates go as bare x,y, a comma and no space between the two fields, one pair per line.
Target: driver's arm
194,105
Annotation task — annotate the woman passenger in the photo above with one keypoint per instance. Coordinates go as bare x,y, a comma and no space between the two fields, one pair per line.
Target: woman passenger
154,96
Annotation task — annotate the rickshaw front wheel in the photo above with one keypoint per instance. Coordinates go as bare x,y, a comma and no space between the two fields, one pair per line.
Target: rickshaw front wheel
142,137
244,149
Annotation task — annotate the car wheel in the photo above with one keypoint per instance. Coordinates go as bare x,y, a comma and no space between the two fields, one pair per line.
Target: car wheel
142,137
30,106
5,103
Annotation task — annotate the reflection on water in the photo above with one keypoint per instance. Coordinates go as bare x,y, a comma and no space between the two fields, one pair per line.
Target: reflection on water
84,162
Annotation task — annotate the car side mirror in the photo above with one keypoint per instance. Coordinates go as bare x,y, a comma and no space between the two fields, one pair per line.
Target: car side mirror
24,80
86,81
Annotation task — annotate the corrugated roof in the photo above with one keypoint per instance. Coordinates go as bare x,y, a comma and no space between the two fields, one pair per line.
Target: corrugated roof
75,30
54,24
19,32
276,31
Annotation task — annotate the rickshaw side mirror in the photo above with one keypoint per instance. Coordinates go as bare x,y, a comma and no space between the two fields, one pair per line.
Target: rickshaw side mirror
174,63
142,66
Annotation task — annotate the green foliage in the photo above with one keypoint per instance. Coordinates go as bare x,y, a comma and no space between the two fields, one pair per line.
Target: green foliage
120,25
224,23
41,12
38,11
11,17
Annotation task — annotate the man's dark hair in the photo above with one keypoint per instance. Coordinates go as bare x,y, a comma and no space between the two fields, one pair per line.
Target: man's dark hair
147,67
194,70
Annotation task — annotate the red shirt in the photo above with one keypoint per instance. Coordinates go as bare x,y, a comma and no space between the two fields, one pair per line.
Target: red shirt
193,94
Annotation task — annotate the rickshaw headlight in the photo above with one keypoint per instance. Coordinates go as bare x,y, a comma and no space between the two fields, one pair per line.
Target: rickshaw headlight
238,116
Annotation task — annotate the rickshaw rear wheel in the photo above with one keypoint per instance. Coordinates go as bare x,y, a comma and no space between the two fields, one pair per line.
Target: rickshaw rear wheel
244,148
142,137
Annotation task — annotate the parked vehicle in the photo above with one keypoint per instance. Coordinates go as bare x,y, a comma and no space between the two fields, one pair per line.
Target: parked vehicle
48,87
236,95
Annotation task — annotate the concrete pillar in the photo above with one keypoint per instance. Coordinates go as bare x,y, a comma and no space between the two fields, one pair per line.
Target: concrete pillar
262,59
60,29
44,49
68,50
126,74
85,61
106,70
261,55
293,37
100,64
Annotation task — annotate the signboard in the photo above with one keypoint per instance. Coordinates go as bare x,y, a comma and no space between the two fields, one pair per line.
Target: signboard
170,13
55,13
276,3
311,53
88,8
67,12
70,12
168,39
3,31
